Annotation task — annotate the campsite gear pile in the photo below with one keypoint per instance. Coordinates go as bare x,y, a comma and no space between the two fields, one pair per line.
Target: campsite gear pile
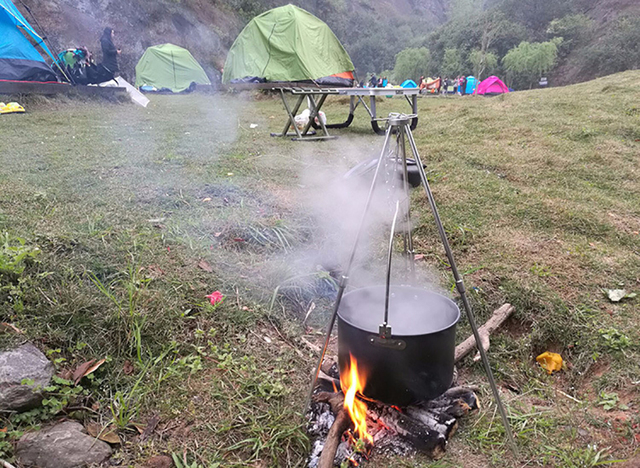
80,68
402,320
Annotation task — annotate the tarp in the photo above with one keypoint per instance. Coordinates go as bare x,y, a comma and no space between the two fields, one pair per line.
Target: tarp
287,44
408,84
169,66
19,59
492,85
472,83
431,85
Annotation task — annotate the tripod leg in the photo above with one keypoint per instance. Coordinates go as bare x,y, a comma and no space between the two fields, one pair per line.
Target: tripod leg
463,295
345,276
408,239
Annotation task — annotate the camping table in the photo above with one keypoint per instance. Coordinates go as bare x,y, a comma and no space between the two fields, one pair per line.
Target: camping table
316,98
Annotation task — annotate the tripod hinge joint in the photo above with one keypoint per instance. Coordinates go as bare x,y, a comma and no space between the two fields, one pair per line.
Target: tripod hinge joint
460,287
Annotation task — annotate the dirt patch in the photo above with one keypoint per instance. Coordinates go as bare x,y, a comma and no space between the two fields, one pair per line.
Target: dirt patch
628,224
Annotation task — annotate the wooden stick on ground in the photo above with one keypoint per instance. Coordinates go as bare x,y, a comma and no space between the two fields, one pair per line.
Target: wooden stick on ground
497,318
341,424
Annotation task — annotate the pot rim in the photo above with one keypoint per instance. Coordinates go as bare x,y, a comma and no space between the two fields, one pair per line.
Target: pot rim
404,287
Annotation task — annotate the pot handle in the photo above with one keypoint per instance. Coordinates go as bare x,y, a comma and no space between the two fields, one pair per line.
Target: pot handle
385,329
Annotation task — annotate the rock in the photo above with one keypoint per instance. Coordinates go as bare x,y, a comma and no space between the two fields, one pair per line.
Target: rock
65,445
159,461
25,362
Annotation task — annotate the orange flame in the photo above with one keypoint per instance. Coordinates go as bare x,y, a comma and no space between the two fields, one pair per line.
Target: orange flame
352,382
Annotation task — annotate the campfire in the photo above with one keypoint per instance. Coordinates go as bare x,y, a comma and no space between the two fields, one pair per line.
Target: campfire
346,427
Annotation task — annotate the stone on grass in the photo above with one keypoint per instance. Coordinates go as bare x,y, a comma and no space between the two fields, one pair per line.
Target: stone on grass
65,445
159,461
24,362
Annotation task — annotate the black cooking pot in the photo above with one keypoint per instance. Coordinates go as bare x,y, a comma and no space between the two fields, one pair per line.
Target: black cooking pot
412,364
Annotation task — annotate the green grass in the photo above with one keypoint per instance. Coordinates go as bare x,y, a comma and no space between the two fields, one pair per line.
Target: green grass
539,192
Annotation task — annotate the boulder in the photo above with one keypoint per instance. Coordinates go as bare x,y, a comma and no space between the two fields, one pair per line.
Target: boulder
65,445
24,362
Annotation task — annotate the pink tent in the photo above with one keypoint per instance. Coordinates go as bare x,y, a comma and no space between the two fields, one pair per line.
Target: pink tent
492,85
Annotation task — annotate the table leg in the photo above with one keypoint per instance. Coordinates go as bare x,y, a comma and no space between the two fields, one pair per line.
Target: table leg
315,112
291,119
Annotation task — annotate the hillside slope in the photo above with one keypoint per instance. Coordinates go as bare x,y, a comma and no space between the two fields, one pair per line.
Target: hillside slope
372,32
586,63
206,28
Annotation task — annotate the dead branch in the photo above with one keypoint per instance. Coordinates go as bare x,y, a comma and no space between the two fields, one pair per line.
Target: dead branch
341,424
497,318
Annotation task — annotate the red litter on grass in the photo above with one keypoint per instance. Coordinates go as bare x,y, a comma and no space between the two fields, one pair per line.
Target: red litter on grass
215,297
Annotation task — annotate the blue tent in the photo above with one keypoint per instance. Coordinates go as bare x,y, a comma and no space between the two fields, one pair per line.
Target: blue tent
408,84
472,84
19,59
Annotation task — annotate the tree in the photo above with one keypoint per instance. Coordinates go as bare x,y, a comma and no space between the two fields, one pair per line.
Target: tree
616,51
529,61
574,30
483,63
411,64
452,64
461,9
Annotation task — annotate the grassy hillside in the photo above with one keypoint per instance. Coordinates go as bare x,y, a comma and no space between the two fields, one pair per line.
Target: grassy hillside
130,217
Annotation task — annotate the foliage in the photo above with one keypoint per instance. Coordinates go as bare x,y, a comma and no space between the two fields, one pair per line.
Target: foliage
608,401
572,28
452,64
15,256
484,64
412,64
526,63
614,339
534,15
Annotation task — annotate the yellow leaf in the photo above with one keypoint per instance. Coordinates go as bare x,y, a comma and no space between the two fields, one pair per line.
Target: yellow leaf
550,361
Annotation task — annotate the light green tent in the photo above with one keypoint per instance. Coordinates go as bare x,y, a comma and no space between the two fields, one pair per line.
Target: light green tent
287,44
171,67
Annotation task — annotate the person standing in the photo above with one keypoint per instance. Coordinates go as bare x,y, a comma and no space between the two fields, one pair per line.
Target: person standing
109,54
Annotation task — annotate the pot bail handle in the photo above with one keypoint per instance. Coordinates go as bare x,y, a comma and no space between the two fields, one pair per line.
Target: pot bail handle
385,329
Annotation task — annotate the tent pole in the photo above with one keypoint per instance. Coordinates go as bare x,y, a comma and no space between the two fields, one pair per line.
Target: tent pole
45,38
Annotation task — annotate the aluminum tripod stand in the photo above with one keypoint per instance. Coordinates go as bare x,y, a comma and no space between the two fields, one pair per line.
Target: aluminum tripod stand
399,126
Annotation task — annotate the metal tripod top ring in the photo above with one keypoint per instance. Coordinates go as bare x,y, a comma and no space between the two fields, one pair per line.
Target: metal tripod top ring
396,119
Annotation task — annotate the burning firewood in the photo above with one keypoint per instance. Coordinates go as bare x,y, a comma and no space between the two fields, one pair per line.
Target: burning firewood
423,428
341,424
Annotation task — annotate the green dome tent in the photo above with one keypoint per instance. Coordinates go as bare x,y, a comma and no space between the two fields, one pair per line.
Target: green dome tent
168,66
288,44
